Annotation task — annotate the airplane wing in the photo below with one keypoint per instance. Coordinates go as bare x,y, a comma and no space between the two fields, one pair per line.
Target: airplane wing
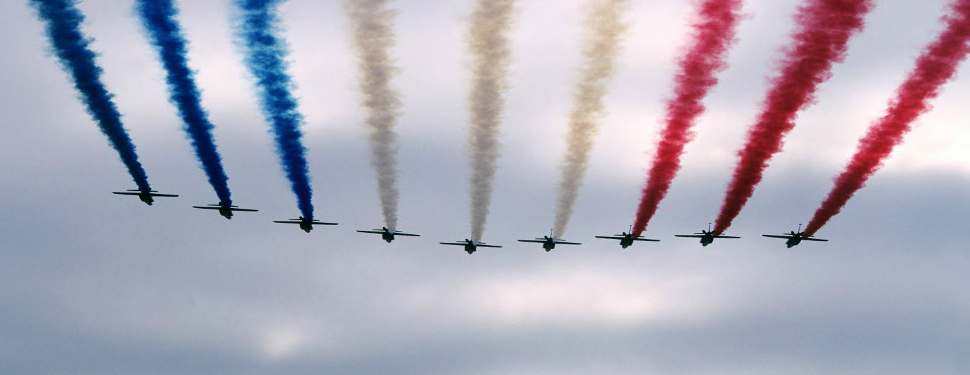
207,207
814,239
482,245
162,195
243,209
646,239
371,231
406,234
776,236
454,243
720,236
321,223
610,237
567,243
288,221
125,193
689,235
536,241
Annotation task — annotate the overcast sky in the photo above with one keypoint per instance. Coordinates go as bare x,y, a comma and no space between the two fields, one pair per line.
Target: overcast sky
92,283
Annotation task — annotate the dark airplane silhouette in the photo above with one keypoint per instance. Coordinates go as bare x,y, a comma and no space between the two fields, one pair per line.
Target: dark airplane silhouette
306,225
626,239
388,235
794,239
470,246
549,242
145,196
706,236
224,209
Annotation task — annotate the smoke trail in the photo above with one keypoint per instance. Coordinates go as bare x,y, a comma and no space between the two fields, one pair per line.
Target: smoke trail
604,27
714,33
158,18
63,24
265,57
934,67
373,38
824,28
489,43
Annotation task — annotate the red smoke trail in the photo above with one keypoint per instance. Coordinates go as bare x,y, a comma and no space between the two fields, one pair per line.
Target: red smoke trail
934,68
824,28
713,34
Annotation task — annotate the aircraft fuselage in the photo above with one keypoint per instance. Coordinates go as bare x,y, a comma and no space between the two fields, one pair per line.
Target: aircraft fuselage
626,242
707,240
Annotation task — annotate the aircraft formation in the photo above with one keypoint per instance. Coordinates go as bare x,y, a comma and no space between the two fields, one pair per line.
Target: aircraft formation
470,246
821,39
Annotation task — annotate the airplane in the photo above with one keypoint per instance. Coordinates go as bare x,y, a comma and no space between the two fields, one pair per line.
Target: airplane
795,238
225,210
470,245
626,239
145,196
706,236
388,235
306,225
549,242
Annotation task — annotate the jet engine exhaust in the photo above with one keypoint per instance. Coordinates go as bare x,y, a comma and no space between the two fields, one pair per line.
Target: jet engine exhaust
165,33
936,65
258,26
488,41
603,29
714,32
63,26
373,40
823,31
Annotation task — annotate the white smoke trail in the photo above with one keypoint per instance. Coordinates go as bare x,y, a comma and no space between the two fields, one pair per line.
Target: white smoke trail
604,27
489,43
373,39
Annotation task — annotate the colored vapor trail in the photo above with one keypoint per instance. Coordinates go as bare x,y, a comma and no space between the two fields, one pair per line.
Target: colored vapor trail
373,39
265,57
824,28
714,32
63,25
488,40
604,28
935,66
158,18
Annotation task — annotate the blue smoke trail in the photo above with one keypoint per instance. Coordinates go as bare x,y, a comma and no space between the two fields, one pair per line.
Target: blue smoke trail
63,24
265,56
158,17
